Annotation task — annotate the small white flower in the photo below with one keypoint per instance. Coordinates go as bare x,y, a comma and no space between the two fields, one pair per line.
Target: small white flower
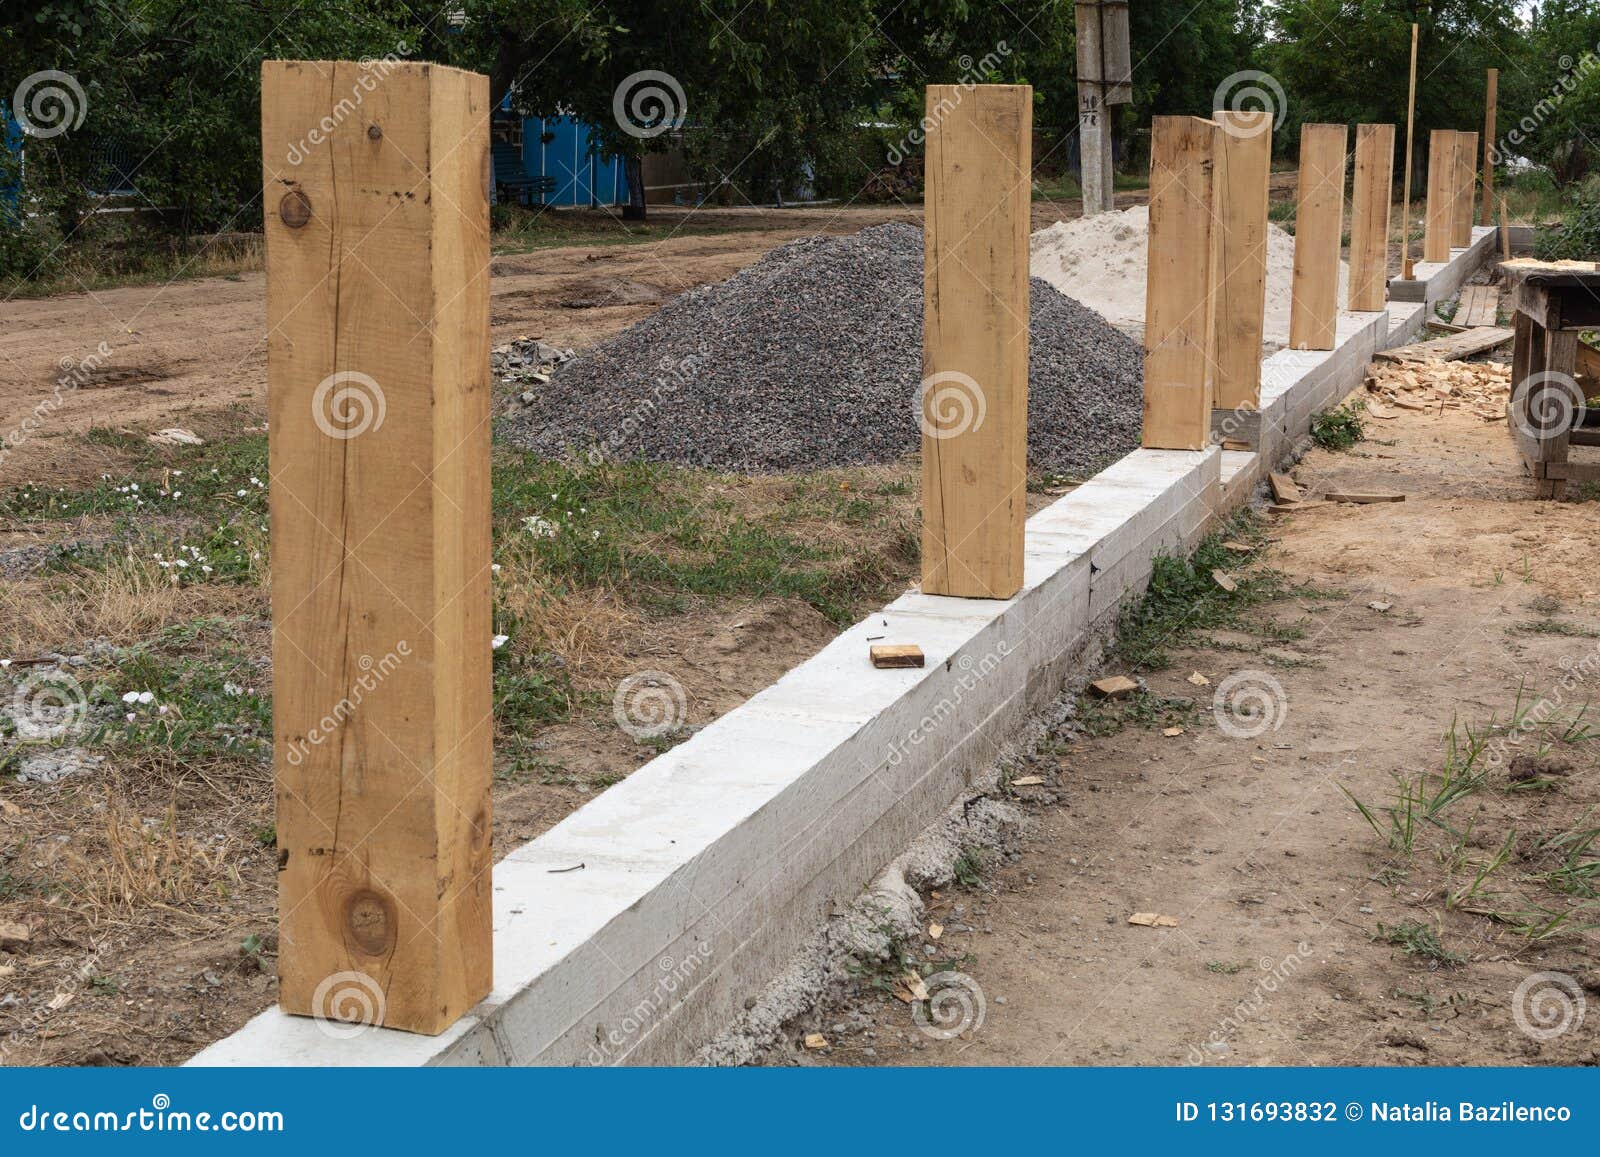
162,710
240,493
232,689
129,717
494,567
499,641
206,569
147,697
177,494
130,697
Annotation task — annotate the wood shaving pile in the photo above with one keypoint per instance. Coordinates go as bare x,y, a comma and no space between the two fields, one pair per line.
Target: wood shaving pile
1478,387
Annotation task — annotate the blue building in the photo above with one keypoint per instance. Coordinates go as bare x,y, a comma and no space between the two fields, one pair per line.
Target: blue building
558,148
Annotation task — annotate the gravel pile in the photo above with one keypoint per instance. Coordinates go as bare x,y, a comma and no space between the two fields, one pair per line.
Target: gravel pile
812,358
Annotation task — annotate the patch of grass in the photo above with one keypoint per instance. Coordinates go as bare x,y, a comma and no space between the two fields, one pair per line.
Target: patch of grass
1339,428
1223,969
969,867
1417,939
189,703
1101,717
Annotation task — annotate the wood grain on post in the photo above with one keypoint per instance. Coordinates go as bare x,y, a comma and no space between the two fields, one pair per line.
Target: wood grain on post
1185,245
1441,196
1370,197
1490,100
1244,173
973,402
377,246
1318,230
1466,181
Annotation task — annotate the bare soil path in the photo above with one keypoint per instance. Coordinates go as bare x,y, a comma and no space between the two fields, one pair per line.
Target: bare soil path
1300,937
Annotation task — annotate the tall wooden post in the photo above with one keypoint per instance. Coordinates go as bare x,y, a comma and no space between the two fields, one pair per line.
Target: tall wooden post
1490,99
1441,196
973,402
377,243
1370,197
1244,174
1318,230
1465,188
1185,257
1411,117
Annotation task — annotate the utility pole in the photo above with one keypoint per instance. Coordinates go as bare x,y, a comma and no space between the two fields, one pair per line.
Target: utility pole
1104,80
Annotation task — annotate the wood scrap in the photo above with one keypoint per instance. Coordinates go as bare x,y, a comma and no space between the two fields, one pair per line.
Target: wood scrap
896,655
1479,306
1283,487
1362,499
1152,920
1224,580
1114,687
1452,347
1478,387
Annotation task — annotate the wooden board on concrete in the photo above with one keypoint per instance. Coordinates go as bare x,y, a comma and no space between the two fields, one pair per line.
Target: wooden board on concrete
1451,347
1479,305
377,249
1466,189
973,403
1318,233
1244,159
1441,195
1370,197
1180,293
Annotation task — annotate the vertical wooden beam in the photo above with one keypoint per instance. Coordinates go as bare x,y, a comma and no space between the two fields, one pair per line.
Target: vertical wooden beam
1441,195
1318,230
377,244
1490,100
1405,210
973,403
1185,245
1244,171
1465,189
1370,197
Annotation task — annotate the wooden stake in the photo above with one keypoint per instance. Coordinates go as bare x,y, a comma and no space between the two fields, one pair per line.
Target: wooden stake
1505,232
1318,230
1245,170
377,247
1411,116
974,398
1441,196
1370,197
1490,99
1181,289
1465,190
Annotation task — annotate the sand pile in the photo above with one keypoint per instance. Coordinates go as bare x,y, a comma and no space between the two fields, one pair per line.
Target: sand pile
1100,261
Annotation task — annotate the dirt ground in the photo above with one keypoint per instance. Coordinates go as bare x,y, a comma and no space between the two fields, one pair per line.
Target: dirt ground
1286,903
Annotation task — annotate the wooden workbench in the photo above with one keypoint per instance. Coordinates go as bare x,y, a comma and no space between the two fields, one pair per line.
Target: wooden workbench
1552,301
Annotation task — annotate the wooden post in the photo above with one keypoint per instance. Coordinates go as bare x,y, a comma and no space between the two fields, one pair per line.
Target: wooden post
1370,197
1318,230
1441,196
1490,99
1244,173
1185,256
1465,189
377,246
974,398
1405,211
